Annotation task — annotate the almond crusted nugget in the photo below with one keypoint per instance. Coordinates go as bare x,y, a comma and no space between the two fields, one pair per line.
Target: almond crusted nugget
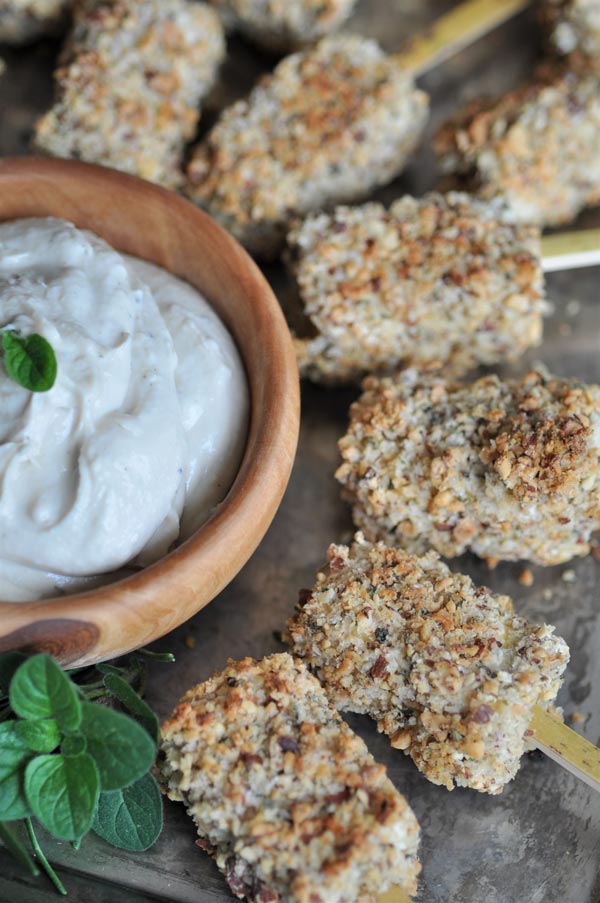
22,21
286,798
329,125
506,469
131,78
439,280
283,25
537,148
447,669
574,29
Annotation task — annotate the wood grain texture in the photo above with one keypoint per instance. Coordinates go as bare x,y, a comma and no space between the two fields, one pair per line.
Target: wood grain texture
149,222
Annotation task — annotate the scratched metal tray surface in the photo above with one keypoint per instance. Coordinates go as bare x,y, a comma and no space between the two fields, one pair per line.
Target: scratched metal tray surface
539,842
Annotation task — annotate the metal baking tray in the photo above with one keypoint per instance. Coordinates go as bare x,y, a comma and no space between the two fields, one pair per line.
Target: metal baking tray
539,841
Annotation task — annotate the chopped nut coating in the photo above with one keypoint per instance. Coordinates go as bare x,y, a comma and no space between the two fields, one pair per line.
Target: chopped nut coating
283,25
508,470
439,280
131,77
329,125
285,796
574,29
22,21
449,672
536,148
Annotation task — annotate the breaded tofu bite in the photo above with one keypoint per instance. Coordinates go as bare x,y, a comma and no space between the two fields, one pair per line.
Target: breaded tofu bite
22,21
439,280
284,25
537,147
505,469
129,84
447,669
329,125
574,29
286,798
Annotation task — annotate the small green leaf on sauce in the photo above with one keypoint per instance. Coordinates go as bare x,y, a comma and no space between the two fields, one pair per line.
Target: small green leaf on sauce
29,360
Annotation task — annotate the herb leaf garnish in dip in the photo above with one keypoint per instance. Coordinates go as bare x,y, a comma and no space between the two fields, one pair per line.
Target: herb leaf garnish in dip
29,360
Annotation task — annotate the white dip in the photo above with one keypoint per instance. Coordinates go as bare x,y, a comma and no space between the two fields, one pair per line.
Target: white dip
141,435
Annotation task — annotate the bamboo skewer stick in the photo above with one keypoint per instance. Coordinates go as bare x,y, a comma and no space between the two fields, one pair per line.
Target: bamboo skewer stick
394,895
571,250
456,30
563,745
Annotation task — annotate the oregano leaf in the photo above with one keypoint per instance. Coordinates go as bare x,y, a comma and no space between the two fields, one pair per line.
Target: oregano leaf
13,757
126,695
73,745
29,360
131,818
63,793
40,736
39,689
122,749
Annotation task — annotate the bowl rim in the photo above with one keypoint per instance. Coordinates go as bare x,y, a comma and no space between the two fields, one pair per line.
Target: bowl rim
82,628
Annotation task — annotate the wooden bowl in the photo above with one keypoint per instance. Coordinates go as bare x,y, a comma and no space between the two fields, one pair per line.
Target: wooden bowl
149,222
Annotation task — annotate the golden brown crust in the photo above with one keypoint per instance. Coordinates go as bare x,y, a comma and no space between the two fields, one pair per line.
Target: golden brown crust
535,147
131,78
509,470
447,669
285,796
328,125
442,280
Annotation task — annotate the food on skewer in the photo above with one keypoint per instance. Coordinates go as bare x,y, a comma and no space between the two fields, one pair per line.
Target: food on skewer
286,798
574,29
447,669
330,124
506,469
129,84
283,25
537,148
440,280
22,21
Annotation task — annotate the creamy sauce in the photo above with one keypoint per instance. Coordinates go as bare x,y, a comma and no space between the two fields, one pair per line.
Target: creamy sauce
143,432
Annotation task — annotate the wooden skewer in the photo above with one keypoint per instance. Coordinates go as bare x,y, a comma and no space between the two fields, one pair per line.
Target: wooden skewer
569,749
394,895
456,30
570,250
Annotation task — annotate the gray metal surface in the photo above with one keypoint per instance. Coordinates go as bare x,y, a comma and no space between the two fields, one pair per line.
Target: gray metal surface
539,841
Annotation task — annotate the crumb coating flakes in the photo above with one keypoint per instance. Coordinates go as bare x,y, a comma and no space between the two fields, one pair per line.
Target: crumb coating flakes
329,125
508,470
449,672
24,20
536,147
283,25
285,796
131,77
439,280
574,28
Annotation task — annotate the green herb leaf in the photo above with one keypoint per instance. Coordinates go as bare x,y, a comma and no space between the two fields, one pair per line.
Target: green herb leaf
40,736
73,745
9,662
142,712
39,689
132,818
13,757
29,360
122,749
63,793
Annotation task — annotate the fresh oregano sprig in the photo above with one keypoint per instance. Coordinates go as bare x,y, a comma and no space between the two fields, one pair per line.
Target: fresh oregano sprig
73,763
29,360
